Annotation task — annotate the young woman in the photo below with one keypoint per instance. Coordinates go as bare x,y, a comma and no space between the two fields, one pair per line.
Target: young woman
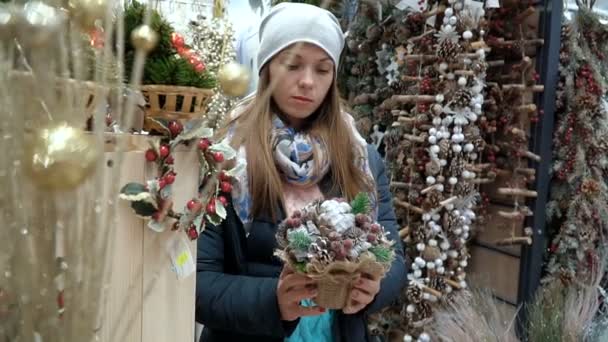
299,146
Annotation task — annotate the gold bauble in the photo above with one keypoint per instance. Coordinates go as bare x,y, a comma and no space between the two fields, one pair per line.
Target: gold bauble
144,38
233,79
86,12
60,157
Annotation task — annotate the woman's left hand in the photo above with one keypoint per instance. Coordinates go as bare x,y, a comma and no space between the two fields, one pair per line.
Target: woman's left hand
364,291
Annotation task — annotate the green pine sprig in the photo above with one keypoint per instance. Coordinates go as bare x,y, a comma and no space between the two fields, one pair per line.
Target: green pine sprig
361,204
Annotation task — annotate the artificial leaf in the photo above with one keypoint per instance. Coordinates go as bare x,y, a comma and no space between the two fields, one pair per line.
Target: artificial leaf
204,169
199,223
132,189
223,147
237,169
199,131
158,125
214,219
382,254
156,226
166,192
220,210
144,208
300,267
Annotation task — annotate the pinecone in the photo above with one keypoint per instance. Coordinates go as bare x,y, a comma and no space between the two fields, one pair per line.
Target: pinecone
457,166
413,294
434,198
438,283
448,222
418,234
463,189
431,253
448,51
461,99
445,149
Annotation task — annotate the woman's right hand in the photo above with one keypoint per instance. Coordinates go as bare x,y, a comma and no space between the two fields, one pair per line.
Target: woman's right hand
292,289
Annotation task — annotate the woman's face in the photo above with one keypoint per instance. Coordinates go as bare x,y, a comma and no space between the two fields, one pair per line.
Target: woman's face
303,75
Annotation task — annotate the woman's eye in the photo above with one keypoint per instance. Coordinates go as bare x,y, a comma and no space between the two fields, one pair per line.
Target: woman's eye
292,66
323,72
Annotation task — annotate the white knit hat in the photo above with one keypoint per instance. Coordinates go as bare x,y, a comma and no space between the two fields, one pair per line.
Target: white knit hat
289,23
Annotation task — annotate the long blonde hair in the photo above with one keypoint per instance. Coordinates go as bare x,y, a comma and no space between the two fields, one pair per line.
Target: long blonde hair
252,129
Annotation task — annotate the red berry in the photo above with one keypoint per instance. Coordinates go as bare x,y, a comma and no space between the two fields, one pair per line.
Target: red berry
170,178
162,183
348,243
226,187
297,222
175,127
223,176
375,228
163,151
192,233
194,205
151,155
223,200
210,209
169,160
156,216
204,144
371,238
218,157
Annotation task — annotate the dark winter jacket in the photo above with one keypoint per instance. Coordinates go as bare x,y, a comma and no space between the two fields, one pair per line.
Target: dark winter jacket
237,278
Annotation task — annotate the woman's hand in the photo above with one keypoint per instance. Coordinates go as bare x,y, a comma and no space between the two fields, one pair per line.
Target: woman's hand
364,291
292,289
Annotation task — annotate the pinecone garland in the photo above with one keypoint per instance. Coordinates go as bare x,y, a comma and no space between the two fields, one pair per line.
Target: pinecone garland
457,166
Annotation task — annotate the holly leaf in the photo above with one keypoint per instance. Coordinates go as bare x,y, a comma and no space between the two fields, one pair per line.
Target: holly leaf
156,226
144,208
214,219
158,125
142,201
199,131
130,191
237,169
204,169
220,210
166,191
223,147
199,223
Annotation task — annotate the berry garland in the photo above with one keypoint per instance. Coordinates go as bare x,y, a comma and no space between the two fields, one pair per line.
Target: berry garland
153,201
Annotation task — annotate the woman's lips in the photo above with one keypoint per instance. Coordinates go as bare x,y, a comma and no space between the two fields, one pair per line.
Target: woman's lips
302,99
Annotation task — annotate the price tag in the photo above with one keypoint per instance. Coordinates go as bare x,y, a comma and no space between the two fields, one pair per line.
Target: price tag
181,258
474,4
492,4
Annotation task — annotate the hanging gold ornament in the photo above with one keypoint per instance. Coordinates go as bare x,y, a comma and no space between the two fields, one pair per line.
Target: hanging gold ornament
60,157
87,12
234,79
144,38
39,24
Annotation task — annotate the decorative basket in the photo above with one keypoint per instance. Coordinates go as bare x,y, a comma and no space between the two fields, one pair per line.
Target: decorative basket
174,103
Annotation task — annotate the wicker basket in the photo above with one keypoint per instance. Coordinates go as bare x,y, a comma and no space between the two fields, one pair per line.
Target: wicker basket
174,102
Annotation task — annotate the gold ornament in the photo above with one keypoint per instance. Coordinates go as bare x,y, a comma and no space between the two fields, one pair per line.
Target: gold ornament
60,157
234,79
86,12
144,38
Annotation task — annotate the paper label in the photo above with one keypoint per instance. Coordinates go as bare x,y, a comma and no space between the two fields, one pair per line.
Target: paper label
492,4
182,262
474,4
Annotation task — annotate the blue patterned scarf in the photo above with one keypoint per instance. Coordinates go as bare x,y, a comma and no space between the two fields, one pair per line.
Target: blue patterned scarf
301,159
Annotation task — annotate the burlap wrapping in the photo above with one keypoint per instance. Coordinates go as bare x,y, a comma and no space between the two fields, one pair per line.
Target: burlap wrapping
335,281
